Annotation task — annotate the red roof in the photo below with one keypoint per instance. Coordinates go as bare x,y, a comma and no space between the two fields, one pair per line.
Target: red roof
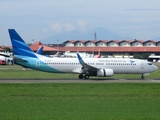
72,41
45,48
141,41
110,49
37,45
128,41
150,41
82,41
93,41
105,41
1,49
6,47
116,41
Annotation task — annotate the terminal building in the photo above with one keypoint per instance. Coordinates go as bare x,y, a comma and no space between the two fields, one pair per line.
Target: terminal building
107,48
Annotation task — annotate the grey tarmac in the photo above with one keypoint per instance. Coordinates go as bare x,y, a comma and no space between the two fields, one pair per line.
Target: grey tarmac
94,80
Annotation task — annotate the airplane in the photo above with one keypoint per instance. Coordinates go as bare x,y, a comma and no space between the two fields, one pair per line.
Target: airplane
40,50
6,58
86,67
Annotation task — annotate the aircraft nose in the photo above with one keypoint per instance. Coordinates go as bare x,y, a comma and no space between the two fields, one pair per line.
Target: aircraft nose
155,68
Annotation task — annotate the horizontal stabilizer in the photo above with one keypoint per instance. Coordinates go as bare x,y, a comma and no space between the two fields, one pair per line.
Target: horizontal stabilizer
19,59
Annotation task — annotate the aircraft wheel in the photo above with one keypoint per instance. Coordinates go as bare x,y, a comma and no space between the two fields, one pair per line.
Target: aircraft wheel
86,76
142,77
80,76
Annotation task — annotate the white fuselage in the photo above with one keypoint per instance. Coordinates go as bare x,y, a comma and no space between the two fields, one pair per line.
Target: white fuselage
119,66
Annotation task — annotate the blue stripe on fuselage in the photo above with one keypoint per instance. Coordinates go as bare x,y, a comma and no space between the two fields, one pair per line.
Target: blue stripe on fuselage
36,64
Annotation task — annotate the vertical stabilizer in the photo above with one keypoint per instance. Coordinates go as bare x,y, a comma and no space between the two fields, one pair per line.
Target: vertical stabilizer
19,46
40,50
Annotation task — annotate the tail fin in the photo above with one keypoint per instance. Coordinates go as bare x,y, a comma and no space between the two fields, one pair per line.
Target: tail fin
40,50
98,55
19,46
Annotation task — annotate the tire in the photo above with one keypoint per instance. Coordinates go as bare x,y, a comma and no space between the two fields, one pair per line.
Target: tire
142,77
80,76
86,76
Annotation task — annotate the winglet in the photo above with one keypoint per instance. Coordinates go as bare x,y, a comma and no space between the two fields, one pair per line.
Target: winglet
19,46
80,60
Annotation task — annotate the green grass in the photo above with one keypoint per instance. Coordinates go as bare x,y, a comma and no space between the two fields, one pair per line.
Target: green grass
16,72
71,101
112,101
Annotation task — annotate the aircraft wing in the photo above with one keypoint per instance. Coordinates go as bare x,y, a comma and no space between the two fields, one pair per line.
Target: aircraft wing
4,55
85,65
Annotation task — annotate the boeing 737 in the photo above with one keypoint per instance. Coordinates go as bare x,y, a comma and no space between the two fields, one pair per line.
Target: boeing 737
85,67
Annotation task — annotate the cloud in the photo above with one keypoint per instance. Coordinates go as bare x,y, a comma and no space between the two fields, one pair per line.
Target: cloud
56,27
69,27
80,25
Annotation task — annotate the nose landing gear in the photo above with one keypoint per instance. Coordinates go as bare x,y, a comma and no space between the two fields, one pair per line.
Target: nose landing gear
142,77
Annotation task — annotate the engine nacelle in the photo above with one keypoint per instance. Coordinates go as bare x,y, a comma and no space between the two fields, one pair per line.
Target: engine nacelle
105,72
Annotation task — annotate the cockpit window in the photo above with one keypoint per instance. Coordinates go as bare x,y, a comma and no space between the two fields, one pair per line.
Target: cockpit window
149,63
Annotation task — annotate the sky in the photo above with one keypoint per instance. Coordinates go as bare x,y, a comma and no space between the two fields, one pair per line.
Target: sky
35,20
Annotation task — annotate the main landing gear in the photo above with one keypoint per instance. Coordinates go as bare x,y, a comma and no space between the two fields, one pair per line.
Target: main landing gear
81,76
142,77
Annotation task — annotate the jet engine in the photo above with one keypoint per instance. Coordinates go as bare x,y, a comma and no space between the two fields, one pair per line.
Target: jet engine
105,72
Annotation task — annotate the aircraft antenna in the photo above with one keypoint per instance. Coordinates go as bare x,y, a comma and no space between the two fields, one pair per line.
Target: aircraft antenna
95,36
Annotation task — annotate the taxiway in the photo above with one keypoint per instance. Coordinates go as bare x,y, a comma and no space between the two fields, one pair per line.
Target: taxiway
78,81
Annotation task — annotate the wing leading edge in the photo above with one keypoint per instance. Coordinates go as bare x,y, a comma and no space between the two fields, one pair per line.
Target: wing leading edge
85,65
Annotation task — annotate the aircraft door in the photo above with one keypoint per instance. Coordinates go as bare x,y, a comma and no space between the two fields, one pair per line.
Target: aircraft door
142,65
37,63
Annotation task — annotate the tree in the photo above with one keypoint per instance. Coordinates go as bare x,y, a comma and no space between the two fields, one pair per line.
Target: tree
7,49
141,55
145,56
136,56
